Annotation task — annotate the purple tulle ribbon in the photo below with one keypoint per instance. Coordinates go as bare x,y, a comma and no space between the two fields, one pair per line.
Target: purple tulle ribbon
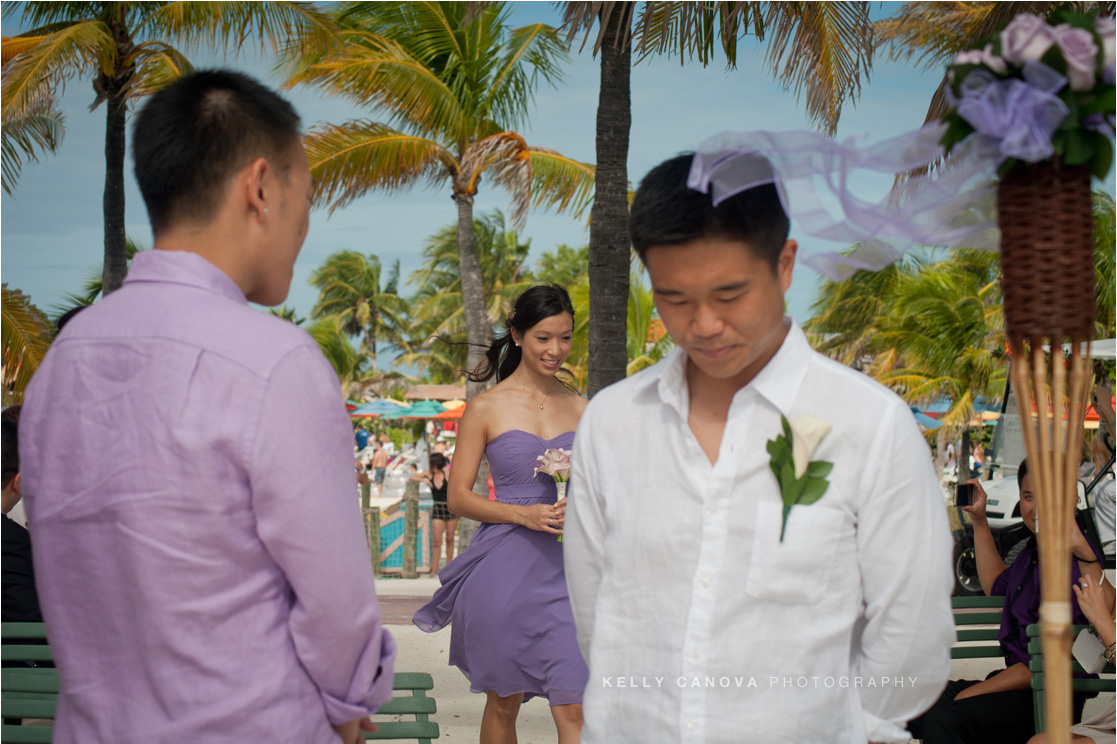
1021,116
816,178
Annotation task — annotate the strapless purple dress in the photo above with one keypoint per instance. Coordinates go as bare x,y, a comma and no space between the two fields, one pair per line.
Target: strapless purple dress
511,628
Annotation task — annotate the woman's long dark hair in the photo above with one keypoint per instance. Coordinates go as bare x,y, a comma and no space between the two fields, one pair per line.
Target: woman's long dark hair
537,303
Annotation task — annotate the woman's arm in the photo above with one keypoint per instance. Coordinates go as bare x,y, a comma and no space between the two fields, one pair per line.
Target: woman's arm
989,563
472,439
1015,677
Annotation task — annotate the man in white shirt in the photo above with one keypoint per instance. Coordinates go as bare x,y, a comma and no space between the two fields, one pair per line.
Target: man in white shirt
705,611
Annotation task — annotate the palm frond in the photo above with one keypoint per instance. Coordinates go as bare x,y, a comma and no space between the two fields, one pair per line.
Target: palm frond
24,137
372,70
26,336
583,16
696,29
560,183
825,48
503,159
67,52
158,65
510,87
349,160
277,24
10,46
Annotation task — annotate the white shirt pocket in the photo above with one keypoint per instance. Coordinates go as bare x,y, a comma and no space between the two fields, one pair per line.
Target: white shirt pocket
798,569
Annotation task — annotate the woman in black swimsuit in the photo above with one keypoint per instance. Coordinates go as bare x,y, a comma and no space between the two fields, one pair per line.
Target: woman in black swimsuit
443,521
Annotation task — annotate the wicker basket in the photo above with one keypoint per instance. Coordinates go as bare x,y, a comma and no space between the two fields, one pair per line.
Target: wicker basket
1047,251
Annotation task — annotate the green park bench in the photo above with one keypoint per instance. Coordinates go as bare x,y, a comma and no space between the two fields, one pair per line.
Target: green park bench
31,694
1103,683
973,642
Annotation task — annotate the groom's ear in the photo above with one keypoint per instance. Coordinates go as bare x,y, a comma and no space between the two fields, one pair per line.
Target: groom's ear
785,264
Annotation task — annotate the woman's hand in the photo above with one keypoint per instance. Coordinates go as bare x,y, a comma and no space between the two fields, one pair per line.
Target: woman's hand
1094,602
976,510
545,517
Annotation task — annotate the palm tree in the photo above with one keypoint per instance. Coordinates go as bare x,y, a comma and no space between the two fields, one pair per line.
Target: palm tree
33,125
947,324
288,313
646,341
1105,267
127,48
437,304
93,286
453,92
846,317
349,289
352,367
820,48
26,337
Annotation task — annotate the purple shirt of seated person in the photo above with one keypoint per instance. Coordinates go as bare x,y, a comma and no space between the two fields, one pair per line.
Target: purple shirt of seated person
188,462
1019,585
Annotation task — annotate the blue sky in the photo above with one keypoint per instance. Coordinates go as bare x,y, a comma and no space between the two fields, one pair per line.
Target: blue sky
51,227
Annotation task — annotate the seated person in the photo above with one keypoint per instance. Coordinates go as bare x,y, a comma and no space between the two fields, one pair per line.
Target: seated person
1097,602
999,708
20,601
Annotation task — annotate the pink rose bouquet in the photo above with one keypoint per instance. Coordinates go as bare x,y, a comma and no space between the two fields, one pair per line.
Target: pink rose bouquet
555,462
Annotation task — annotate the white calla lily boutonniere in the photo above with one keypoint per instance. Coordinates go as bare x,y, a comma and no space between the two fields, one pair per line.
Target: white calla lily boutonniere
801,481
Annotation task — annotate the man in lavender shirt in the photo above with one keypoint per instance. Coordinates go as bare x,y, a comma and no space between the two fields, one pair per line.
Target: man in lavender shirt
188,463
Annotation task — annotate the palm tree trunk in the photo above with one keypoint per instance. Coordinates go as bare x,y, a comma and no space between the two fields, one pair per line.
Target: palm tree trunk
114,86
478,332
116,259
609,244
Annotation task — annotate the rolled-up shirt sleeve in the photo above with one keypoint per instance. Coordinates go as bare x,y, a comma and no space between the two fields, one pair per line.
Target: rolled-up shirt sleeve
308,517
904,547
584,534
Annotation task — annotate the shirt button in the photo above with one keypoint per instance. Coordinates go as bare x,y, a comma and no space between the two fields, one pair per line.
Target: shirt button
705,583
695,656
691,724
712,510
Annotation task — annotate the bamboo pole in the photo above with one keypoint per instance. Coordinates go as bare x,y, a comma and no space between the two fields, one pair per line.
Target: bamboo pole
1053,439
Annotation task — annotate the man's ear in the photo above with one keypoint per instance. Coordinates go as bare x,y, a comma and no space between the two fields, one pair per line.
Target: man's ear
786,263
256,179
16,483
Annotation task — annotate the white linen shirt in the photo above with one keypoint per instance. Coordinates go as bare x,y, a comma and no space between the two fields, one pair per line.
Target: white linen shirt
697,624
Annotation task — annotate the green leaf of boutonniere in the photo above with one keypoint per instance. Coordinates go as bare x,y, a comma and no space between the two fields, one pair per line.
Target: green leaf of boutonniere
809,487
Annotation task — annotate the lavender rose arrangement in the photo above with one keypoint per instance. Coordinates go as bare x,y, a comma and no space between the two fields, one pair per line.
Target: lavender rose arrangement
1038,89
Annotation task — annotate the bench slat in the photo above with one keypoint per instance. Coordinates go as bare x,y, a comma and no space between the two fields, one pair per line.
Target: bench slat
403,730
26,734
39,679
413,681
407,706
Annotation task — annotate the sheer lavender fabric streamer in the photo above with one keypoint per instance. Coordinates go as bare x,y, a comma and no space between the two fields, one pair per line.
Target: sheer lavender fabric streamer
953,205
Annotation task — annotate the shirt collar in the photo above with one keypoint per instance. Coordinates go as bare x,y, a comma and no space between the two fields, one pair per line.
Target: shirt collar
183,267
781,378
778,382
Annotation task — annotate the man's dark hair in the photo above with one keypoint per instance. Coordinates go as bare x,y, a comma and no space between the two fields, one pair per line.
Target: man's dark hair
665,211
1021,473
9,457
193,135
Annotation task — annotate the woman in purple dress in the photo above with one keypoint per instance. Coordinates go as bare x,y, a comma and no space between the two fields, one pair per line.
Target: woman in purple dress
512,632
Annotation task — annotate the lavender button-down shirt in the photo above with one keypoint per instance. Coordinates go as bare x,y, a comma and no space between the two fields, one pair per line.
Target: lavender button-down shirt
202,567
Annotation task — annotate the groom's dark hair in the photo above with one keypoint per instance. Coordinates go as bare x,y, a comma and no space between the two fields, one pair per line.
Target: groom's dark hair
665,211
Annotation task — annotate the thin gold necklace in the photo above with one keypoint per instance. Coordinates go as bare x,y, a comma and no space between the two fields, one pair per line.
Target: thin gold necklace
540,402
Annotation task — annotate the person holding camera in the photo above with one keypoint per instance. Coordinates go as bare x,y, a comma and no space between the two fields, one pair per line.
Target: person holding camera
1000,708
